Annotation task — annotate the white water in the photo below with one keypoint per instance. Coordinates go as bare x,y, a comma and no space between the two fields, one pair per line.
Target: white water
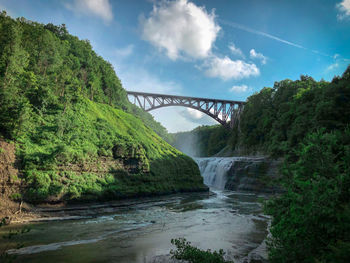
215,169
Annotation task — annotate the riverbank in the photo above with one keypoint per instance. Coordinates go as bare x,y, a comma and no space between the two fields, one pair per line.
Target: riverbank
141,230
22,212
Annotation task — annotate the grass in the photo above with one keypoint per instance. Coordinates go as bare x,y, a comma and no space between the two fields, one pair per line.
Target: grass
85,135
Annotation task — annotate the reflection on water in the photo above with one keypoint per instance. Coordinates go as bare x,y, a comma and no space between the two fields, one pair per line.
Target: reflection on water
142,232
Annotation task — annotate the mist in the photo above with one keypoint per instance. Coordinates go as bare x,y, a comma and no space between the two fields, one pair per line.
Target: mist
188,143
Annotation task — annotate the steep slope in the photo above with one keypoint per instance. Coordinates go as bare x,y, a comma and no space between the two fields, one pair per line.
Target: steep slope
76,134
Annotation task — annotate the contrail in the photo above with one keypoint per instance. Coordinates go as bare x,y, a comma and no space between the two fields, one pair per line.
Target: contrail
253,31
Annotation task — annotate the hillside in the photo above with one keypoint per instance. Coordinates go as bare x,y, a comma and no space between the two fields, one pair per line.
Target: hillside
76,136
307,123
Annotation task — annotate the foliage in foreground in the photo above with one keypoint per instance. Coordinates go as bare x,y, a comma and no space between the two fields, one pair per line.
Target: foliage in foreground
311,221
184,251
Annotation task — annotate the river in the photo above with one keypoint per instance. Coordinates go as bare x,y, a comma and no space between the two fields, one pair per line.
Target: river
141,231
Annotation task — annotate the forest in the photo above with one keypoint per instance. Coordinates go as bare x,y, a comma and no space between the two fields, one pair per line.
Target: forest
307,123
77,137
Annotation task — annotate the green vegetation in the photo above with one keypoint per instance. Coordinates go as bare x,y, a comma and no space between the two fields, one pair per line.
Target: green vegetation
311,221
185,251
16,196
76,134
307,123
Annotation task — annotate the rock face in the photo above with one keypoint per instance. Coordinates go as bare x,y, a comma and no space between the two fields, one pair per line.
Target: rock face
256,174
9,181
133,158
253,174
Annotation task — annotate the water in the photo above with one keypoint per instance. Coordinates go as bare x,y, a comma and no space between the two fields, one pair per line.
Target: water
141,232
214,170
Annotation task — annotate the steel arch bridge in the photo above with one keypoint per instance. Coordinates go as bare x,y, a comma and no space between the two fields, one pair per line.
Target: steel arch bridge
226,112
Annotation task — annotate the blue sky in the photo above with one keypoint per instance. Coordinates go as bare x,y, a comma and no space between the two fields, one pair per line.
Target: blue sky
225,49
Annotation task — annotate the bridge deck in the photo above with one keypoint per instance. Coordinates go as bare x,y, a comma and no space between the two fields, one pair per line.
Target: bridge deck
184,97
226,112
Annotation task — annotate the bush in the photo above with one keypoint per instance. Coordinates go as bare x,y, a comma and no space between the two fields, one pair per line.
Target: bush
184,251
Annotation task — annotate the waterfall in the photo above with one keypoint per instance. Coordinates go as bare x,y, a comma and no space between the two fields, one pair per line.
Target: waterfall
239,173
214,170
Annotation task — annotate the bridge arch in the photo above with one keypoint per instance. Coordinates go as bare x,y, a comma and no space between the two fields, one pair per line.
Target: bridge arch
226,112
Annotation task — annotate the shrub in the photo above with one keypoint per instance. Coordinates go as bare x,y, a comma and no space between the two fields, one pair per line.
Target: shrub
184,251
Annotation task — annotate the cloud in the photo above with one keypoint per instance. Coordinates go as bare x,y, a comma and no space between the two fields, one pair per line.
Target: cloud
332,66
98,8
235,50
344,9
226,69
256,55
124,52
260,33
197,117
257,32
180,27
238,89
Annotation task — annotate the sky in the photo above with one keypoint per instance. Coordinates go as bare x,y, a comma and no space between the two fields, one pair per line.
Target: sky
223,49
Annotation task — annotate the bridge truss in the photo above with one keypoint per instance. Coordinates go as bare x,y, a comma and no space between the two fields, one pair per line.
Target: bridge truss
226,112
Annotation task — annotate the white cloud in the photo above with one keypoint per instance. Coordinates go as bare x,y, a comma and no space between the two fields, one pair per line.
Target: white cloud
240,88
235,50
332,66
225,68
124,52
344,9
180,27
256,55
197,117
195,113
98,8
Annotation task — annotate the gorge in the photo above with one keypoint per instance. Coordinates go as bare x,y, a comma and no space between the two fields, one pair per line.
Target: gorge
141,230
99,179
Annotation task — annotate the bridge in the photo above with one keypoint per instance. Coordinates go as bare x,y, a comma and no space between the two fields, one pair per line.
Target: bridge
226,112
